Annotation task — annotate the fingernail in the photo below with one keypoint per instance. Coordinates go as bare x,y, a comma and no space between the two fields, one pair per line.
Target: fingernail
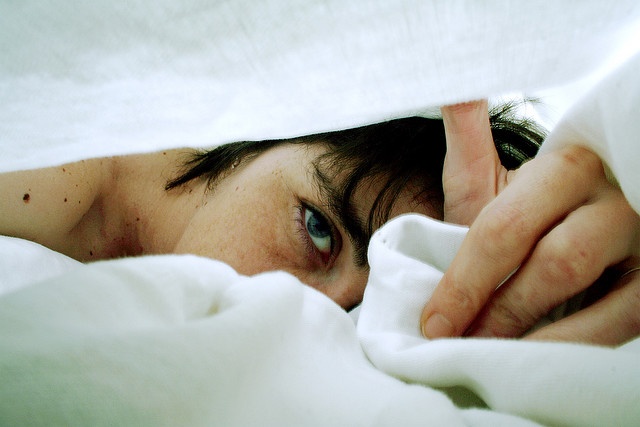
437,326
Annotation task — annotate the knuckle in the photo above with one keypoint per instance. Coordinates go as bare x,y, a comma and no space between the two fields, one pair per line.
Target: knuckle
462,298
512,318
465,192
569,260
582,160
502,229
632,314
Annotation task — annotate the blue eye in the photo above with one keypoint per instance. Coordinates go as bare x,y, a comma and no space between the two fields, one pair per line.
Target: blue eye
319,230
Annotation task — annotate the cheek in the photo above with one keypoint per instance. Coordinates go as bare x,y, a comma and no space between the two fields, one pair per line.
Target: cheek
246,240
243,228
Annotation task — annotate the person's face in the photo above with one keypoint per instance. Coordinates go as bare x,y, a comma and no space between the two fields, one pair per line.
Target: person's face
269,214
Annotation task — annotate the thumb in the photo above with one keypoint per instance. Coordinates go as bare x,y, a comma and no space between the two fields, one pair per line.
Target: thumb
471,166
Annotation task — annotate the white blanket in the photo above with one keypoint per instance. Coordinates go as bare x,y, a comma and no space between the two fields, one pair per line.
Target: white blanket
181,340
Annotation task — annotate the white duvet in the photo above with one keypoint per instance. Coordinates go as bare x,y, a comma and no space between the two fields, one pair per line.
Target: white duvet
182,340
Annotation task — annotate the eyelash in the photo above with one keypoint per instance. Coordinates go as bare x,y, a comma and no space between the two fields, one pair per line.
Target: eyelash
327,260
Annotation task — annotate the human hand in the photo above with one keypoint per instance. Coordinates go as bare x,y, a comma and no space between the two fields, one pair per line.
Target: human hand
557,218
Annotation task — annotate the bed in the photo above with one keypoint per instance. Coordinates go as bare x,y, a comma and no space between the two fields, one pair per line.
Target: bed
183,340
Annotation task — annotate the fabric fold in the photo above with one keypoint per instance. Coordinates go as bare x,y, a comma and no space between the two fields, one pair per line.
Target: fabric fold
550,383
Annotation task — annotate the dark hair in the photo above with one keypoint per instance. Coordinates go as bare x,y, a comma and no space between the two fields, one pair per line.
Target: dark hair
402,152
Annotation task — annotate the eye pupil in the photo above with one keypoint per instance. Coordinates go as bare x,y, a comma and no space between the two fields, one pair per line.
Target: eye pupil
317,226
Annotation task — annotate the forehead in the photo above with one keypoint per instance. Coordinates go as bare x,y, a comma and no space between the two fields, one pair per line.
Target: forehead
349,187
372,189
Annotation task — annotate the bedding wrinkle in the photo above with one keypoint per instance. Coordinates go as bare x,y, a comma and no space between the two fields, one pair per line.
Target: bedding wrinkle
170,340
537,381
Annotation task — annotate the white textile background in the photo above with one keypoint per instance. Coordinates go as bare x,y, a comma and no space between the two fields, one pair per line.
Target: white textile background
81,79
179,340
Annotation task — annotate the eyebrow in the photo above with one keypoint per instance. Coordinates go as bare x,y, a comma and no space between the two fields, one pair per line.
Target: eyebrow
348,220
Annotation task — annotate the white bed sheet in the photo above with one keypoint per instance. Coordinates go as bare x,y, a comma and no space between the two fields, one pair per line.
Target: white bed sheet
83,80
181,340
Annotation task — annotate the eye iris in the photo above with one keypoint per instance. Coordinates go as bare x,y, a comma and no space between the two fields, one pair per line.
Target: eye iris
317,226
319,231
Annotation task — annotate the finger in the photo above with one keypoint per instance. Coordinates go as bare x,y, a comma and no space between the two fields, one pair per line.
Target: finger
567,260
471,163
504,234
612,320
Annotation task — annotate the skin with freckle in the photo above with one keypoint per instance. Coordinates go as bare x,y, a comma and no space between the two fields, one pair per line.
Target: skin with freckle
307,205
250,220
292,205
